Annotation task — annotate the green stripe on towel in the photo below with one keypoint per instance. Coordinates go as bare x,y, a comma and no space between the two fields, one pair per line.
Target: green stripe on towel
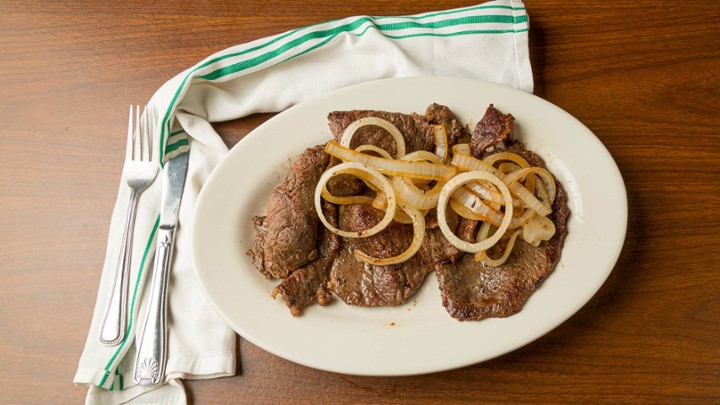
329,33
148,246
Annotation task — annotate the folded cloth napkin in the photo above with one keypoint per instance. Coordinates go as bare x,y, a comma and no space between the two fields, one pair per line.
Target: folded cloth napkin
488,41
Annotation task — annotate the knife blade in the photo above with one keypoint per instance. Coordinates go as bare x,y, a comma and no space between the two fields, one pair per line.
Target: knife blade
152,344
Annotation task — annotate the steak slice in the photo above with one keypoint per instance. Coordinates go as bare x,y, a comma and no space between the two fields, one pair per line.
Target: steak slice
441,250
493,128
358,283
308,285
314,262
439,114
471,291
287,237
416,130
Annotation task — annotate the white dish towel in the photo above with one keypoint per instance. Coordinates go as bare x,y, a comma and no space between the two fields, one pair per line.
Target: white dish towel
488,41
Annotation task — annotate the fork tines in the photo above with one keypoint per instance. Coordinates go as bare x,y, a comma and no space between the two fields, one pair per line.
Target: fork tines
140,149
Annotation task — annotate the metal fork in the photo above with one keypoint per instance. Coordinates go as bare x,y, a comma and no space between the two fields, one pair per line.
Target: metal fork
141,168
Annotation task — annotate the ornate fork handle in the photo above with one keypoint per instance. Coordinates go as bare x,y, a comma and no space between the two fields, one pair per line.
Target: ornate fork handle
152,342
112,330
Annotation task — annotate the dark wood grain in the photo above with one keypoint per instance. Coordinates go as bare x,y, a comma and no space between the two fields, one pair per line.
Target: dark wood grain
644,76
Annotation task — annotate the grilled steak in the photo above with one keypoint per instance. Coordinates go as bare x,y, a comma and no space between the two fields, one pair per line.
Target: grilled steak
291,244
315,263
471,291
418,133
357,283
441,115
493,128
308,285
416,130
287,237
362,284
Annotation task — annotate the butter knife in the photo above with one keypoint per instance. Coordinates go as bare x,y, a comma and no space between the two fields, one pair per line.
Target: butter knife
152,344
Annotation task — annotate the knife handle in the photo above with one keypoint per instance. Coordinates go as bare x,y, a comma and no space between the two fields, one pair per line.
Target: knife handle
152,344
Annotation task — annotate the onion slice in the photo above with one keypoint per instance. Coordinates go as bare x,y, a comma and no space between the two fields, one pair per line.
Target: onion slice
538,229
486,192
506,156
380,201
368,173
418,221
543,208
522,219
393,167
421,155
485,258
347,135
465,212
346,200
410,195
467,162
441,142
511,162
463,148
372,148
548,194
450,188
477,206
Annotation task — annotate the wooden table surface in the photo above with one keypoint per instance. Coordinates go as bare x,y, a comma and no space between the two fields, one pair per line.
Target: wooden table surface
644,76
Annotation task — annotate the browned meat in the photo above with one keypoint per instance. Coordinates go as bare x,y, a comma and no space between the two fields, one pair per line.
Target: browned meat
287,243
353,281
438,114
344,184
257,252
440,248
357,283
287,238
315,263
418,133
471,291
493,128
308,285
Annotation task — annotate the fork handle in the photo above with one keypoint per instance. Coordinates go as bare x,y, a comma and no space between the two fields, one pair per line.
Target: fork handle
112,329
152,344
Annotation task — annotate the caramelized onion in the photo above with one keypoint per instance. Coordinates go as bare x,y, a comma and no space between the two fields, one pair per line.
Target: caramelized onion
347,136
441,142
463,148
467,162
485,258
418,221
410,195
364,172
422,155
372,148
502,191
346,200
542,208
477,206
393,167
538,229
449,189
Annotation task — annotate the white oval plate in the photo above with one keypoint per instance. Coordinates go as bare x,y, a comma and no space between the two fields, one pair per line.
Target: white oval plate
419,337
